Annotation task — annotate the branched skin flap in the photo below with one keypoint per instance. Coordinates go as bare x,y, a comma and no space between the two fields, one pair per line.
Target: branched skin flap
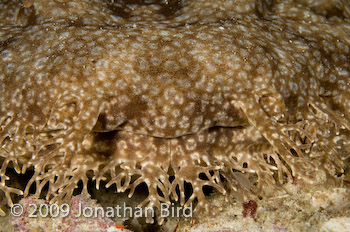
227,94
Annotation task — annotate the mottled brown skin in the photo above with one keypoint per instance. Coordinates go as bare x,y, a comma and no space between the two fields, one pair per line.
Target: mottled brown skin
234,90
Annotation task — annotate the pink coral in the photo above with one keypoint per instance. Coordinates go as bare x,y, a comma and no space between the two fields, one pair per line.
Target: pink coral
42,220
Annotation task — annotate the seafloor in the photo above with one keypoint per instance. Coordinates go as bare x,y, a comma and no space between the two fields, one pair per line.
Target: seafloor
301,208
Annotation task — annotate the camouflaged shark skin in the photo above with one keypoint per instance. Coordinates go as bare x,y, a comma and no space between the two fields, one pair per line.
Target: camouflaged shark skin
226,93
